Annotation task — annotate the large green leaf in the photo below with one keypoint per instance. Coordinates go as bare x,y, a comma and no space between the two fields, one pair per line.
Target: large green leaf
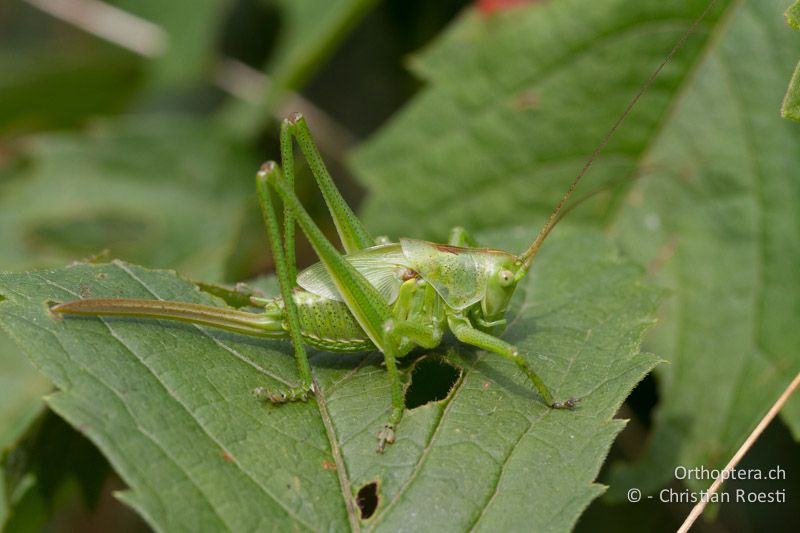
721,216
516,103
170,405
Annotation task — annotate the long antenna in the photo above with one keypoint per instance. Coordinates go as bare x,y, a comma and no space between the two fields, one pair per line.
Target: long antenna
530,253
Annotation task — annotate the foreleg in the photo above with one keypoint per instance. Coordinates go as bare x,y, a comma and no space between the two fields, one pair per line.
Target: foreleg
413,318
464,332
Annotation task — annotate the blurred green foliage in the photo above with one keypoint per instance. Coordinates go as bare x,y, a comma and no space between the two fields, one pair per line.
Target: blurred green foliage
791,102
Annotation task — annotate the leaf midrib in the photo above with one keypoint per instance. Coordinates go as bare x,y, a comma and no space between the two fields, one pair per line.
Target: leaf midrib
341,468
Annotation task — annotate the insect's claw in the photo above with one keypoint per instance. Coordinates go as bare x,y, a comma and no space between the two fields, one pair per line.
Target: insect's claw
385,436
566,404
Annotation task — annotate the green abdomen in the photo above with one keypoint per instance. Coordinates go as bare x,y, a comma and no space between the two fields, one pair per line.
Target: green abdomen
329,325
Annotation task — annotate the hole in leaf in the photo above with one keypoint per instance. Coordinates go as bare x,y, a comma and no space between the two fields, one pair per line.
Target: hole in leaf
432,379
367,499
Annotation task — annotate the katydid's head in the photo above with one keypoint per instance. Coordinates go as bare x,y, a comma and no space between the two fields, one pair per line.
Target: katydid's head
509,270
500,285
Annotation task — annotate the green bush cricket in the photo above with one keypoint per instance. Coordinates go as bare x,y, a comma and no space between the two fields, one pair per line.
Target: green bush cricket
393,297
390,296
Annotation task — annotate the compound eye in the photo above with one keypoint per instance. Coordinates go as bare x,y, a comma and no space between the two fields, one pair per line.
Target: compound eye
506,277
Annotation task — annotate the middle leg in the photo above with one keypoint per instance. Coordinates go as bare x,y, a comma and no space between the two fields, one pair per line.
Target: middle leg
464,332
